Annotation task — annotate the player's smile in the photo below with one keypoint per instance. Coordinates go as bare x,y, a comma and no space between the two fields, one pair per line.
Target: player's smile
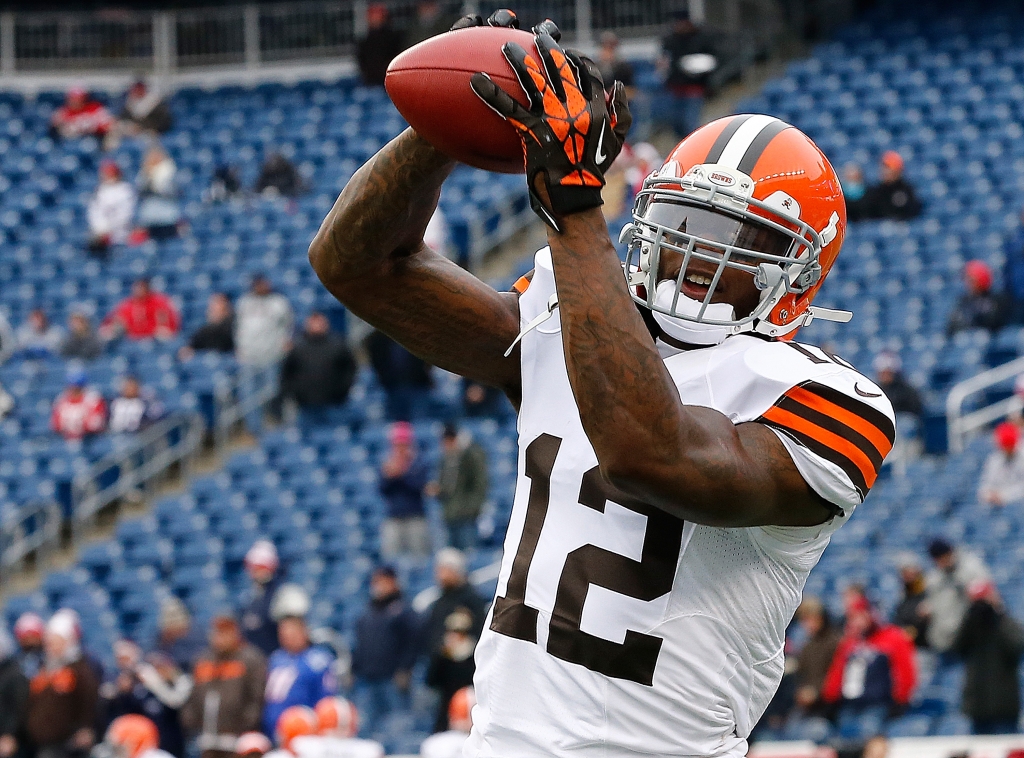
735,287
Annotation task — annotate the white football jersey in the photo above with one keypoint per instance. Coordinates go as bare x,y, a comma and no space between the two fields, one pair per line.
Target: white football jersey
336,747
620,630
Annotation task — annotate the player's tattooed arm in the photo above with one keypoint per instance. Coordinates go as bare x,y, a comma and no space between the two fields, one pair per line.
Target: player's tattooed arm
688,460
370,254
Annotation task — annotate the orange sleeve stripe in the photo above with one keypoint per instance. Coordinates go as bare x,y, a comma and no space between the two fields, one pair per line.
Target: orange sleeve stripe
522,284
860,425
841,445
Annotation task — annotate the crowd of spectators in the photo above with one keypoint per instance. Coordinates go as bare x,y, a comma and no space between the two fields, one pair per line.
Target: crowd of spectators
869,668
254,666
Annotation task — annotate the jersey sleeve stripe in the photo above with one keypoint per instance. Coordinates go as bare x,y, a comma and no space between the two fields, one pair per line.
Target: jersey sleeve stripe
835,426
870,415
864,428
521,284
830,446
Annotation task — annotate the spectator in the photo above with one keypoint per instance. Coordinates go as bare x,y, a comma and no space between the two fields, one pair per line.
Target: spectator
224,185
452,667
110,211
154,687
159,211
63,695
177,638
80,117
228,693
278,177
404,377
613,67
319,370
1002,478
78,411
145,110
815,656
854,190
263,325
37,337
403,479
912,612
380,45
901,393
218,333
431,20
481,400
955,570
873,670
81,341
28,633
134,409
8,339
261,563
1013,272
460,723
144,314
979,307
13,697
991,643
385,649
298,673
894,196
455,594
461,486
687,60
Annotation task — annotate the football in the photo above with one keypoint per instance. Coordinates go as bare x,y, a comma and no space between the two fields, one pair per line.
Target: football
429,84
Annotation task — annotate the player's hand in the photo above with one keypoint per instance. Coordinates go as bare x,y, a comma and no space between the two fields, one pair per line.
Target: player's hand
501,17
572,131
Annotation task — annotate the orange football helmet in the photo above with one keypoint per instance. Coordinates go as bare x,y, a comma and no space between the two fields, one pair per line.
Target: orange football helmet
338,717
460,710
746,192
132,735
295,721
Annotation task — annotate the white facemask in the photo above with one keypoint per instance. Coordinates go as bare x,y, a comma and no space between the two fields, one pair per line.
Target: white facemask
691,332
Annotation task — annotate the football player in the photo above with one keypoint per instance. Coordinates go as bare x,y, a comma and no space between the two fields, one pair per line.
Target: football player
682,461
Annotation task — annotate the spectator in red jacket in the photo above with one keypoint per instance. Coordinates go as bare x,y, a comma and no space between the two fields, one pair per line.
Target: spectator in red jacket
873,668
144,314
78,411
80,117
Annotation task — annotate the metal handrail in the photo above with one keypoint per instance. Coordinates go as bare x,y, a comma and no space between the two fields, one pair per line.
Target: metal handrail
961,425
19,538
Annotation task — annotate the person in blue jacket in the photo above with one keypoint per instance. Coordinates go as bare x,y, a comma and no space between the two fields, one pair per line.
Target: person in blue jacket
298,673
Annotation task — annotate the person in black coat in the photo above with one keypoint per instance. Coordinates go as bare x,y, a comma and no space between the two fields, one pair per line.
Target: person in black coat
901,393
385,649
979,307
218,333
379,47
13,697
319,370
456,594
991,644
894,196
452,667
404,377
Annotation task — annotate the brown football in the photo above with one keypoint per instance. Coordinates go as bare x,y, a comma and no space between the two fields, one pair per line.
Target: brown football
429,84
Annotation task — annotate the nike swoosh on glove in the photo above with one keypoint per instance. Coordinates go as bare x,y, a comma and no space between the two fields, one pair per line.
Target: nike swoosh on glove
572,131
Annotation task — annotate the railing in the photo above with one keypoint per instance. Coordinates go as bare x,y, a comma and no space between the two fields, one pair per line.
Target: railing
252,35
31,530
962,425
139,463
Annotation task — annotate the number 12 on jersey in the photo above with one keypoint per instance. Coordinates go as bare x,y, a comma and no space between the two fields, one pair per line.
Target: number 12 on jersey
636,657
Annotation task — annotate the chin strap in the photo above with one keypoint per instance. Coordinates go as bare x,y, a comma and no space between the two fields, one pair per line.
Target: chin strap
540,319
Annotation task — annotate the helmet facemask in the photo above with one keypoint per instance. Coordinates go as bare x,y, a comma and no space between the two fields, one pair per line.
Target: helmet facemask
709,218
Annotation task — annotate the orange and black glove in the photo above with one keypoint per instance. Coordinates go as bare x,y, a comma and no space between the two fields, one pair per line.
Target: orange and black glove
572,130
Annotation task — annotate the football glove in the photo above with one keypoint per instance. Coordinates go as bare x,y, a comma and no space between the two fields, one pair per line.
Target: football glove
571,132
501,17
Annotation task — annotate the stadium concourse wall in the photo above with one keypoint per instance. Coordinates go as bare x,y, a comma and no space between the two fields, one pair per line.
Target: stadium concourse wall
903,747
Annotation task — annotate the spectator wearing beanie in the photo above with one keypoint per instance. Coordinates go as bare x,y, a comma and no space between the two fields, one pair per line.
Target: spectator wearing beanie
403,481
63,696
258,625
178,638
955,569
979,307
1002,478
28,632
13,696
894,196
456,593
901,393
912,613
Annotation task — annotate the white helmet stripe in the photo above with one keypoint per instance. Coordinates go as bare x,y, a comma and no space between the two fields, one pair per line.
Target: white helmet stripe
737,147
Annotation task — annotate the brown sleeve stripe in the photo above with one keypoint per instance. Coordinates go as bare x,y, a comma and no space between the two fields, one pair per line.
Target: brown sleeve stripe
842,430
